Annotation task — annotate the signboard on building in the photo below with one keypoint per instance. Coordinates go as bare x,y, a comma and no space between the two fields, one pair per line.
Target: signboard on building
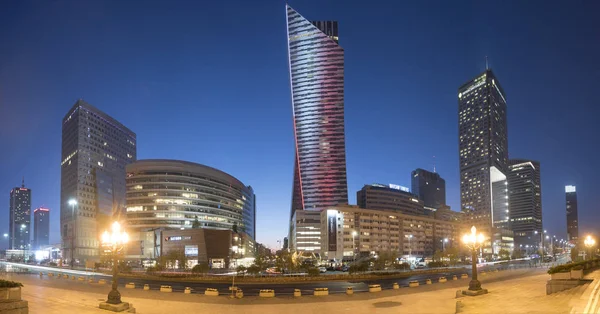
332,230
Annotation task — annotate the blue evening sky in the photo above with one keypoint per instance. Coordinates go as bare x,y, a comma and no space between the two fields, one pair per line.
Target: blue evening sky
208,82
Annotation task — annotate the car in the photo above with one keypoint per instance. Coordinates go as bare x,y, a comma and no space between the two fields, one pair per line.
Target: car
345,268
322,269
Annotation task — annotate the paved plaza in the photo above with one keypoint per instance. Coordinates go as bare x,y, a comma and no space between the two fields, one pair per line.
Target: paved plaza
517,291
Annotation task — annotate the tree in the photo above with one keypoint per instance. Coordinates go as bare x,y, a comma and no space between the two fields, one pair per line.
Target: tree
241,270
504,254
200,268
176,258
196,223
385,259
517,254
234,228
438,255
453,254
260,262
284,261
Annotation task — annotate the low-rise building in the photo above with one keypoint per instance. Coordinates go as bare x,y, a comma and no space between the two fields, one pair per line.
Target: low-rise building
305,233
389,197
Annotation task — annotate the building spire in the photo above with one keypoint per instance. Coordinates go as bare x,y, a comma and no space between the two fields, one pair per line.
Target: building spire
23,182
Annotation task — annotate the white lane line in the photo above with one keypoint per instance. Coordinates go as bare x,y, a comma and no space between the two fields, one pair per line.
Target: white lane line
592,297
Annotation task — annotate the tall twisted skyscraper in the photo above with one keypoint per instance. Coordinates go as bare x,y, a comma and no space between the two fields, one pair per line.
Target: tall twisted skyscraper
483,151
316,63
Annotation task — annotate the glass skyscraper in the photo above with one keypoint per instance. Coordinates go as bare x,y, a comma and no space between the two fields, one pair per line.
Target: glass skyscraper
525,193
316,62
572,215
430,187
41,227
483,151
20,218
95,150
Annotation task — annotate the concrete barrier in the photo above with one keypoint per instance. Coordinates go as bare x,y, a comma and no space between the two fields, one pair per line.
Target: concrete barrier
187,290
130,285
297,293
396,286
239,293
102,282
464,276
65,276
349,291
454,277
146,287
166,289
266,293
374,288
81,278
212,292
321,291
90,280
442,279
427,281
413,284
50,275
73,277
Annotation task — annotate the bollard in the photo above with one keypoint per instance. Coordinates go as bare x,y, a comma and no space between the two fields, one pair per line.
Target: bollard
454,277
73,277
427,281
349,291
266,293
130,285
50,275
41,274
464,276
321,291
396,286
101,282
212,292
374,288
413,284
442,279
166,289
90,280
297,293
146,287
239,293
187,290
81,278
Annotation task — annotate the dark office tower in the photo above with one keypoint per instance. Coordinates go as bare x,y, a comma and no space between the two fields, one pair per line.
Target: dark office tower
95,150
429,187
483,151
316,63
389,197
525,194
41,227
572,221
20,218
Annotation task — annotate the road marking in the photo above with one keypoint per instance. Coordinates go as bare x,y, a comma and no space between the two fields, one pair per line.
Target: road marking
592,297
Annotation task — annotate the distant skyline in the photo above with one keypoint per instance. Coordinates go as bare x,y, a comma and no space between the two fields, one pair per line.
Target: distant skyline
209,83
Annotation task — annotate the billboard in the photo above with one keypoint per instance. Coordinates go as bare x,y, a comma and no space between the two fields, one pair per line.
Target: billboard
331,230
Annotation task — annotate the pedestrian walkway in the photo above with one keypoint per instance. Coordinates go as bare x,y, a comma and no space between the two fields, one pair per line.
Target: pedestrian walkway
588,302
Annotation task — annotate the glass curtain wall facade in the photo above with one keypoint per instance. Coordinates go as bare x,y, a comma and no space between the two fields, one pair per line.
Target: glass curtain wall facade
41,227
430,187
173,194
95,150
316,62
20,218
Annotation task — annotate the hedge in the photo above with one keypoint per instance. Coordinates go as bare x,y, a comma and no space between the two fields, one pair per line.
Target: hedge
10,284
575,266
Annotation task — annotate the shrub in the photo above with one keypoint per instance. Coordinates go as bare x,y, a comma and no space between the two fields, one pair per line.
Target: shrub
313,271
437,264
200,268
402,266
10,284
52,264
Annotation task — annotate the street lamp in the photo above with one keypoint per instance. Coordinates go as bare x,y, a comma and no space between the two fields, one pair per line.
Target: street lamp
474,241
73,202
114,242
444,241
409,236
589,242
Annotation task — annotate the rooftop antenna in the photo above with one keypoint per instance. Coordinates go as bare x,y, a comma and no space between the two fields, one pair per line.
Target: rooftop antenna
486,63
433,164
23,182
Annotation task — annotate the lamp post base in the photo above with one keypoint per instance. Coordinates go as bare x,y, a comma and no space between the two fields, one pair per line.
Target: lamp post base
473,293
474,285
114,297
121,307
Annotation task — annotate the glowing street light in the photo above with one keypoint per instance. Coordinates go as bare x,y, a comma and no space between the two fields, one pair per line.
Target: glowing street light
354,234
73,202
474,241
114,242
589,242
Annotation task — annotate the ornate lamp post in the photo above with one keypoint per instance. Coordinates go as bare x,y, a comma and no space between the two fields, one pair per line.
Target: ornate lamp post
589,242
115,241
73,202
474,241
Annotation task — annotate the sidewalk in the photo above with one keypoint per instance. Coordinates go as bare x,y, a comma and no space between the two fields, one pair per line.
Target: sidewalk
53,296
588,301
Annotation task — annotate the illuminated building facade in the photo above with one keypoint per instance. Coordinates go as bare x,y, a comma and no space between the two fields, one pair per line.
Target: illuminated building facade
174,194
483,151
389,197
316,62
572,217
41,227
20,218
525,194
95,150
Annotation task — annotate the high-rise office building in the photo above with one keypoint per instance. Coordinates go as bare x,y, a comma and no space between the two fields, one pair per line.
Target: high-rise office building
483,151
95,150
20,218
525,194
316,62
572,220
41,227
389,197
429,187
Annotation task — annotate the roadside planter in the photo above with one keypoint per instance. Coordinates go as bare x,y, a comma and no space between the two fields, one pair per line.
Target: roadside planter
81,279
374,288
321,291
212,292
576,273
428,281
90,280
102,282
50,275
396,286
10,296
464,276
12,293
454,277
350,291
266,293
561,276
146,287
187,290
413,284
166,289
130,285
297,293
442,279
